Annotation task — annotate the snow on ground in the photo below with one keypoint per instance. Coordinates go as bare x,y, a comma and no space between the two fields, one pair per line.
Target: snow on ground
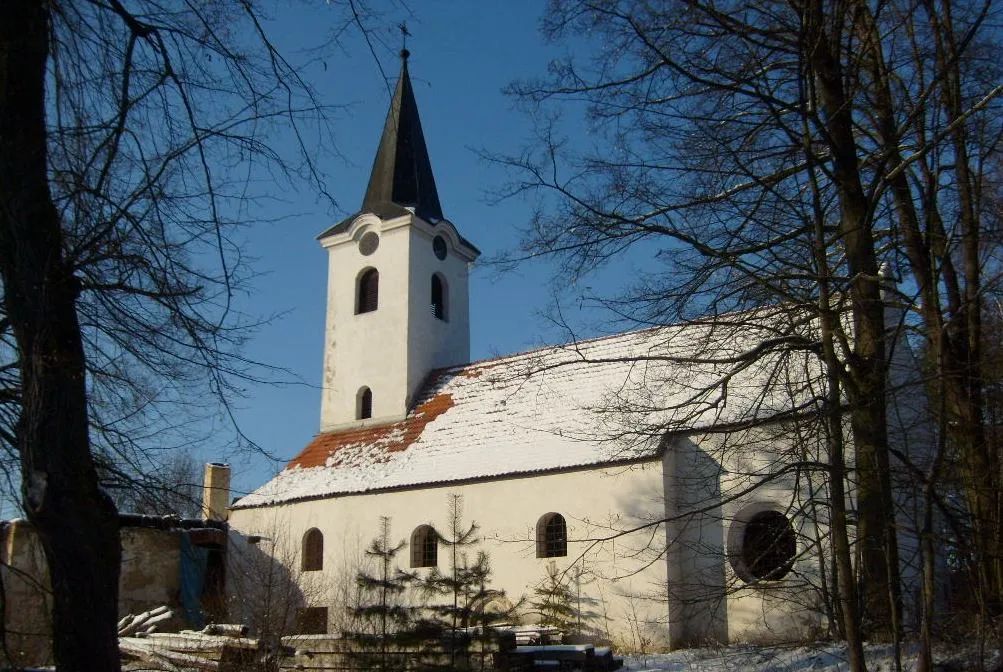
818,658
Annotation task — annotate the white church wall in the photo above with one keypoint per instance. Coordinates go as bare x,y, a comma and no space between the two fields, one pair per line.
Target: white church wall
647,582
695,543
720,482
618,580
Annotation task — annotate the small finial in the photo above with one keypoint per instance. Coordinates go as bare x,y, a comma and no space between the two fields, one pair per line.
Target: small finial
404,35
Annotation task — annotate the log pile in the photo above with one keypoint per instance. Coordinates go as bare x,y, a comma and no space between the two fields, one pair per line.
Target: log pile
217,647
145,623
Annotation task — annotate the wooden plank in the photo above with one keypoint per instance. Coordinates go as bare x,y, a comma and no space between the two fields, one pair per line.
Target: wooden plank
168,660
196,641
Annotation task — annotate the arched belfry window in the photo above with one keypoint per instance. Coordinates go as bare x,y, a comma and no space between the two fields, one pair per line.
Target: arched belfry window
364,404
368,295
551,536
424,546
438,303
313,550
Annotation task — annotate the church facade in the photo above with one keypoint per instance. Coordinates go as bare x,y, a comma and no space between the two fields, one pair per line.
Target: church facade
670,495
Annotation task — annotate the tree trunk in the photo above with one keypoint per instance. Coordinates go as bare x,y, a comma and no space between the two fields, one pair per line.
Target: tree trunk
952,316
76,523
878,570
846,590
979,464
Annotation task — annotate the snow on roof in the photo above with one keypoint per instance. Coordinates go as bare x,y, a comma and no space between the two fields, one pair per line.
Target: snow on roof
588,403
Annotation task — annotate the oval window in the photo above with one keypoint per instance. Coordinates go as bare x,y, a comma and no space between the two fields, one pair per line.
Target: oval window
368,243
439,247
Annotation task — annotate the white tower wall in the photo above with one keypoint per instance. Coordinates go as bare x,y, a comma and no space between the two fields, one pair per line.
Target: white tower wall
392,349
435,343
366,349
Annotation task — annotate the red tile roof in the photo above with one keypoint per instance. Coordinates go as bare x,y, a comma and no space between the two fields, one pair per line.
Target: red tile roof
395,437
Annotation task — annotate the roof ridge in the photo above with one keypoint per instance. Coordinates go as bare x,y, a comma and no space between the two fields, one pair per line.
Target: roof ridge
541,348
709,320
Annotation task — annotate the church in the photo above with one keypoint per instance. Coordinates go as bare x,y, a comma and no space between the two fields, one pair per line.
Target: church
667,489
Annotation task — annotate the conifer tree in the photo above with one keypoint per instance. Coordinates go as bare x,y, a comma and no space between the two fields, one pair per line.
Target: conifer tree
384,620
555,603
463,589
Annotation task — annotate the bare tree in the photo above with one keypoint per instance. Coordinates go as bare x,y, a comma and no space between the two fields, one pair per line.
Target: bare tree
770,154
174,488
269,589
130,133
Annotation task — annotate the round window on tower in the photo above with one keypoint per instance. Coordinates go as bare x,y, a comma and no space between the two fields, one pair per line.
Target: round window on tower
368,243
439,247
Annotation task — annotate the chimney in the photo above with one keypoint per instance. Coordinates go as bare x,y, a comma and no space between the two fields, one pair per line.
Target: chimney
215,491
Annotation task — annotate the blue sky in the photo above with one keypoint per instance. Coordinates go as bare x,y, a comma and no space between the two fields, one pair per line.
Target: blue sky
462,55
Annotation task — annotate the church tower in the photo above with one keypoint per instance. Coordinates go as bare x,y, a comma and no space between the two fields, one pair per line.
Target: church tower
397,289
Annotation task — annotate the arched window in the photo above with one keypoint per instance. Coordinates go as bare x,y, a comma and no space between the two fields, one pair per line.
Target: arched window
368,294
364,403
769,547
424,546
551,536
438,303
313,550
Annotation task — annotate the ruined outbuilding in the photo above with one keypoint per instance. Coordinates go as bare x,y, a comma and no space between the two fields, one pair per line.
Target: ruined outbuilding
166,560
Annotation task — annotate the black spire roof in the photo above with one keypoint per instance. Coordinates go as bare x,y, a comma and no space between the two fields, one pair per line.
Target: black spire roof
402,172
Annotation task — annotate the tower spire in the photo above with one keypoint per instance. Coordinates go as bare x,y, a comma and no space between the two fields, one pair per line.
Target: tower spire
402,171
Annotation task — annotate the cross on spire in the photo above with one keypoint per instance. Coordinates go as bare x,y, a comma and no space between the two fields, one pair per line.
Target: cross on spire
405,33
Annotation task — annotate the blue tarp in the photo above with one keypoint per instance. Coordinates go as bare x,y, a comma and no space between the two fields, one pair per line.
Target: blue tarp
194,560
